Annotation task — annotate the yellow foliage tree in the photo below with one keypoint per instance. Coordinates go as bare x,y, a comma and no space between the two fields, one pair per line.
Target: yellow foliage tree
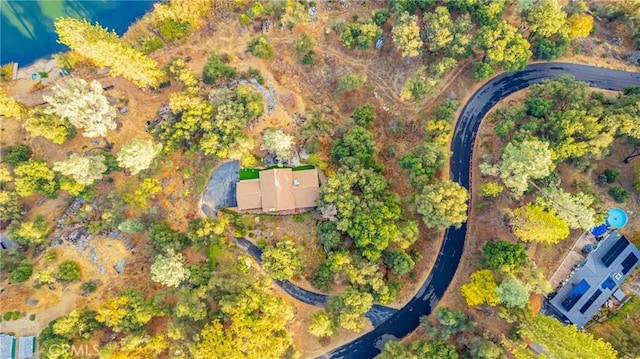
533,223
580,25
105,48
481,289
181,10
9,107
406,34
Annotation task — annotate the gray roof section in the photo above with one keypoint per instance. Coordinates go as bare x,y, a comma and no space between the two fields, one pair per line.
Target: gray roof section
605,269
7,346
26,347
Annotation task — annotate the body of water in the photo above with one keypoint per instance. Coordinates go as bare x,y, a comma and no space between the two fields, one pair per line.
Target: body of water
26,26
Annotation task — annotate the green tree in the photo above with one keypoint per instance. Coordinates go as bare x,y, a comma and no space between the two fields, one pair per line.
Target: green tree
260,47
278,142
348,308
406,35
513,293
418,349
504,46
425,160
487,12
35,176
169,270
138,155
442,204
129,311
29,232
83,169
619,194
550,48
450,322
380,16
350,82
104,48
485,349
399,262
439,28
532,223
321,325
49,126
482,70
84,105
545,17
481,289
564,341
69,271
284,261
364,115
504,256
148,189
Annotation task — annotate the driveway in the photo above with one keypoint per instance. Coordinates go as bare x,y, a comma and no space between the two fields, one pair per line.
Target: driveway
221,189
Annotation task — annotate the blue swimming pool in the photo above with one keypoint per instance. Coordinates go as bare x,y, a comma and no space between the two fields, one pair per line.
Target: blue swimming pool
26,27
617,218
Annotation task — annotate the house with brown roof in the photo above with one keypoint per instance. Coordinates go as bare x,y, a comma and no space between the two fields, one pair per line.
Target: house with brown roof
279,189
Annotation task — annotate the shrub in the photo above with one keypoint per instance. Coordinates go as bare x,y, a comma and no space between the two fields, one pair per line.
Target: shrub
172,30
216,69
16,315
619,194
149,44
7,316
611,174
88,287
260,47
17,154
21,273
69,271
380,16
350,82
491,189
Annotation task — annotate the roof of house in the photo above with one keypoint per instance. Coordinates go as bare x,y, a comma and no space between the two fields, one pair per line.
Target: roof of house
26,347
279,189
7,346
248,194
604,269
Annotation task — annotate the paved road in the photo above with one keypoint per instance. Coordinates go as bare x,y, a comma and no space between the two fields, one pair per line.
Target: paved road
378,314
407,319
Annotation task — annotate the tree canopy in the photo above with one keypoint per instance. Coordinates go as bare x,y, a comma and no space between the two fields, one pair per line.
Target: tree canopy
443,204
104,48
481,289
284,261
83,169
564,341
138,154
533,223
84,105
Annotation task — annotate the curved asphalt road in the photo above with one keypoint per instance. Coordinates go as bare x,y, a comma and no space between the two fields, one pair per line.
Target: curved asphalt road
378,314
407,319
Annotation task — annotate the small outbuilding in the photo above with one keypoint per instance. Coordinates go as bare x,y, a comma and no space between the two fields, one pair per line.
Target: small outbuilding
26,347
7,346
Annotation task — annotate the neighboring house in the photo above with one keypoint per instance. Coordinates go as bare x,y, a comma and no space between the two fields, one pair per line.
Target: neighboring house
279,189
7,346
26,347
602,272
